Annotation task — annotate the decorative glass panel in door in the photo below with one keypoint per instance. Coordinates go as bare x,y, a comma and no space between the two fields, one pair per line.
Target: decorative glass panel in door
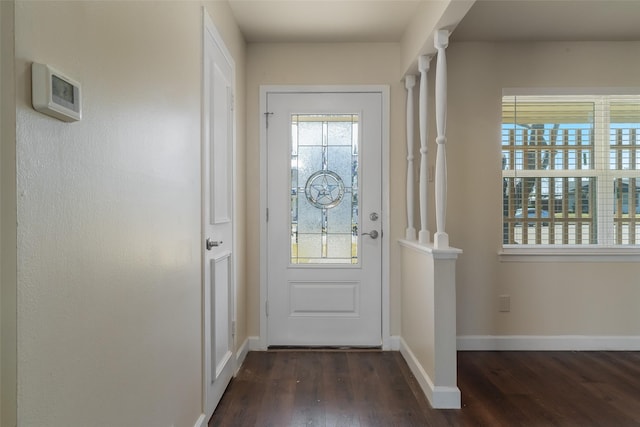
324,189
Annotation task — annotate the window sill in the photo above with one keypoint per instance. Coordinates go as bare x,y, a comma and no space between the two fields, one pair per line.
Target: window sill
516,253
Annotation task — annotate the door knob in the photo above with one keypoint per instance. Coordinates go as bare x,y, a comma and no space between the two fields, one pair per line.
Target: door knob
212,243
373,234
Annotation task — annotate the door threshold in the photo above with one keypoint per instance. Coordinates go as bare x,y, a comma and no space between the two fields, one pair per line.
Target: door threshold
322,348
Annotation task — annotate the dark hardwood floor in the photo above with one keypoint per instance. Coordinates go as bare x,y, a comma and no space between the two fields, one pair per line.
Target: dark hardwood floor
374,388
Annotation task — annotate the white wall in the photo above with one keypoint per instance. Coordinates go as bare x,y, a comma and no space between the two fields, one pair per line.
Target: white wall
428,338
593,299
109,270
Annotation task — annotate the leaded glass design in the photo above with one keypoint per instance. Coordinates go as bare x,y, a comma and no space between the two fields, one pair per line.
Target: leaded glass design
324,188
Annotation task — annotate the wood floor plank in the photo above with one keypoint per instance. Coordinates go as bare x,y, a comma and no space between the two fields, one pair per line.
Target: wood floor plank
374,388
240,408
307,408
339,398
277,412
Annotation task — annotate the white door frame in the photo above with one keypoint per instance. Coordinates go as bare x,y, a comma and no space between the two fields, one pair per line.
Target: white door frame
384,91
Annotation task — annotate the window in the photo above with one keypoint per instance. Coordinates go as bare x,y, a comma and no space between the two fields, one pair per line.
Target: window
571,170
324,188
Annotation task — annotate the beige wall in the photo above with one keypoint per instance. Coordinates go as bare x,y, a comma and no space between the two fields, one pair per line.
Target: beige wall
328,64
419,31
546,298
8,327
109,270
418,311
108,209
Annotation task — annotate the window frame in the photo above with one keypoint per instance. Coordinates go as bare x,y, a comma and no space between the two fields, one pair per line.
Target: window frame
604,250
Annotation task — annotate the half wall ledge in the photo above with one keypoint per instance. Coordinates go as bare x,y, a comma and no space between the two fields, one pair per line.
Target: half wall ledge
428,320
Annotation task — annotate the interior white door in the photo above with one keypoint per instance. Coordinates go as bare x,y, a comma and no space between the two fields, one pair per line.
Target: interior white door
217,227
324,226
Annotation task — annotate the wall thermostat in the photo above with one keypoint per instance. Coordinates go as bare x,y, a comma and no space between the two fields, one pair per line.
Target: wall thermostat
55,94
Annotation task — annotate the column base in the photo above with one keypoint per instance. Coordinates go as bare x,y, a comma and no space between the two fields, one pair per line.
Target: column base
441,240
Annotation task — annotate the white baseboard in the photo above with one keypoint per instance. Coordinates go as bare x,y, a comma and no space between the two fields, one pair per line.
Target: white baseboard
547,343
440,397
254,344
241,354
393,343
202,421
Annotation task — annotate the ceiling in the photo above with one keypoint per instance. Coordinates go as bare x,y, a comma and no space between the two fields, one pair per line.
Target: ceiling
309,21
323,20
551,20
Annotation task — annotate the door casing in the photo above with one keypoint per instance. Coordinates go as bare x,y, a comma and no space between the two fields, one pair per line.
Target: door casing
384,91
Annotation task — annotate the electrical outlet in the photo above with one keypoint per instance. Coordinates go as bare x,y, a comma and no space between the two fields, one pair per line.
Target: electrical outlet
504,303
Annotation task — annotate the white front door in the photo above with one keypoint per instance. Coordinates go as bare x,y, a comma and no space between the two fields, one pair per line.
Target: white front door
217,225
324,229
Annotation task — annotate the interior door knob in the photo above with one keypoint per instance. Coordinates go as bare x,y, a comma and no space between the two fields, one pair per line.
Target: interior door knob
212,243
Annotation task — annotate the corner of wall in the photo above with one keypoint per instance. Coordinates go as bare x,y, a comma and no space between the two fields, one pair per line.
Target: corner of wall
432,16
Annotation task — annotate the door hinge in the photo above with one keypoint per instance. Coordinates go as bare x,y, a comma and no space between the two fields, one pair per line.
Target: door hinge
266,116
233,328
267,214
233,102
266,307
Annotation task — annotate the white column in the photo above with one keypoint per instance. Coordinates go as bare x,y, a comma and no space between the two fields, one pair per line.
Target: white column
409,83
423,65
441,238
